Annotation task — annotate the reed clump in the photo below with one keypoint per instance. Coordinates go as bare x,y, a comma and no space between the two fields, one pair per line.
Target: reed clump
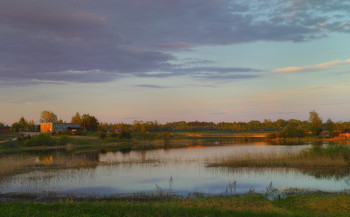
315,157
13,164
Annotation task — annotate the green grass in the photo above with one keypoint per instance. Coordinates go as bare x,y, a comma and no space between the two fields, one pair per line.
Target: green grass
248,205
5,136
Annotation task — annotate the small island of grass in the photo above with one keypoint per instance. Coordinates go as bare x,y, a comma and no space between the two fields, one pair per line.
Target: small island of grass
332,156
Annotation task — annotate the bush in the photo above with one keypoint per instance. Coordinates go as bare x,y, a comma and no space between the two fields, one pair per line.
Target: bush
165,135
114,134
111,139
125,134
292,132
21,138
40,140
63,140
102,135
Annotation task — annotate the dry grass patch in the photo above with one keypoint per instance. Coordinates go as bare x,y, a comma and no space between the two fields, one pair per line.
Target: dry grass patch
315,157
14,164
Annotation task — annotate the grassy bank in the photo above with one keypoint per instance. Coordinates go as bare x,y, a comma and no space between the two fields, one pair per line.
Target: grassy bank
336,156
248,205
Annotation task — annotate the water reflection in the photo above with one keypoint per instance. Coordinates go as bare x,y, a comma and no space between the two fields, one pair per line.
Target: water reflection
140,171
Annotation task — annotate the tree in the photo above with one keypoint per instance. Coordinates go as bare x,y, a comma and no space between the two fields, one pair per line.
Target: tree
76,119
48,117
89,122
32,126
315,123
15,127
330,126
23,123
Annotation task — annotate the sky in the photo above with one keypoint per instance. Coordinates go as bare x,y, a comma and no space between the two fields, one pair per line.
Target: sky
166,60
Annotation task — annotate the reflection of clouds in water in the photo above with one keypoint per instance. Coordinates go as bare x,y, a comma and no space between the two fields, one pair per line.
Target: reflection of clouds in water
49,180
193,155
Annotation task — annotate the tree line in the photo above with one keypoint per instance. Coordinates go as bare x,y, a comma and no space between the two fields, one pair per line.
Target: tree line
284,128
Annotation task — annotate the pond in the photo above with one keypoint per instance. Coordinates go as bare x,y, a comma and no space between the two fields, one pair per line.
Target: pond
181,171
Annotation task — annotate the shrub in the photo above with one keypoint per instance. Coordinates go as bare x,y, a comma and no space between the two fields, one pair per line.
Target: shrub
102,135
111,139
292,132
40,140
125,134
63,140
114,134
21,138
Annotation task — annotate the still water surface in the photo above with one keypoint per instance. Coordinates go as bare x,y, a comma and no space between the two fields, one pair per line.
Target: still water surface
181,171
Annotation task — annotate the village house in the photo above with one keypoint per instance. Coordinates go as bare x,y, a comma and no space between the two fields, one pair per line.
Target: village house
57,127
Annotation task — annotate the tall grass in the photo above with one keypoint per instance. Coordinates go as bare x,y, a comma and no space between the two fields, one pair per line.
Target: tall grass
14,164
315,157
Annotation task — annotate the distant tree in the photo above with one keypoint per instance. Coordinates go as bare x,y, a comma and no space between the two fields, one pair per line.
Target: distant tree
89,122
76,119
125,133
280,124
23,123
138,129
268,124
254,125
331,127
32,126
15,127
2,124
48,117
315,123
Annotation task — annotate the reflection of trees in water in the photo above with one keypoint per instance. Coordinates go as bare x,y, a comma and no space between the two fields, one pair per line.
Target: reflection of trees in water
318,173
322,173
72,160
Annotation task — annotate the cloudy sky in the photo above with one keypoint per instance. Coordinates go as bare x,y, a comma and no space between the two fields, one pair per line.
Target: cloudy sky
166,60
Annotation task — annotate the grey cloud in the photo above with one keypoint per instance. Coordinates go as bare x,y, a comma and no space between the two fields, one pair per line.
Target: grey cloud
218,69
151,86
98,41
217,73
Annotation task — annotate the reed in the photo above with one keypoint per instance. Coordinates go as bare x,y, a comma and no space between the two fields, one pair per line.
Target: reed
315,157
14,164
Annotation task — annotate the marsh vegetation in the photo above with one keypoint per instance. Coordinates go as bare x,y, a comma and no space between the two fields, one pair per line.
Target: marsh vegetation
329,157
